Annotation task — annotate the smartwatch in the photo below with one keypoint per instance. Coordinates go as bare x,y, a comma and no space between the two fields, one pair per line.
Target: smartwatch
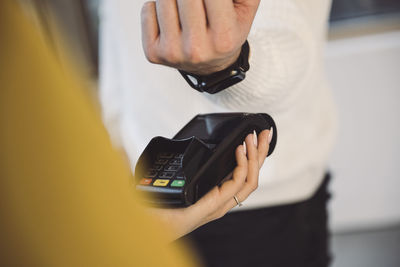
218,81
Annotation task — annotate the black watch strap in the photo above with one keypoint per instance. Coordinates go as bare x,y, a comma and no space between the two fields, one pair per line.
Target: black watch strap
218,81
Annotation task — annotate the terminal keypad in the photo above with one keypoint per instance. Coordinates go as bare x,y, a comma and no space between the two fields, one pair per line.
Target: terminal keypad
166,171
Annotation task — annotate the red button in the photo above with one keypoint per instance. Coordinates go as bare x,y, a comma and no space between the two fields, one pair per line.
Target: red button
145,181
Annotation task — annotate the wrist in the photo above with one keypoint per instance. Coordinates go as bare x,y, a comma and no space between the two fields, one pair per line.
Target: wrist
219,64
222,79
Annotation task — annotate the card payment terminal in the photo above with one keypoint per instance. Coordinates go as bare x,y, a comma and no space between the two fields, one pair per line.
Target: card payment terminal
179,171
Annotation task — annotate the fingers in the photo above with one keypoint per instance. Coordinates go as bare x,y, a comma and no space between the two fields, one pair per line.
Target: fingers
168,19
220,200
192,16
251,182
219,14
231,187
150,30
193,20
212,205
263,146
235,185
253,167
256,157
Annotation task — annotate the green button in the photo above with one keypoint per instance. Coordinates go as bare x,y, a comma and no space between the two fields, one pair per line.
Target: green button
178,183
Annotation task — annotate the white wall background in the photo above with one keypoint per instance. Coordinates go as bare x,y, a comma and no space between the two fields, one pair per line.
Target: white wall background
364,73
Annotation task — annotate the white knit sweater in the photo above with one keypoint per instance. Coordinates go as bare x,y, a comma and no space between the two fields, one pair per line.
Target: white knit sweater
286,80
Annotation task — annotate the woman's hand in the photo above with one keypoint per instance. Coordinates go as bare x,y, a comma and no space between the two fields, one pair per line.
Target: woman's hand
220,199
196,36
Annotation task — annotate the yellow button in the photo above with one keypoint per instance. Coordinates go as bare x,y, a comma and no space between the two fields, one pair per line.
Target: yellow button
161,182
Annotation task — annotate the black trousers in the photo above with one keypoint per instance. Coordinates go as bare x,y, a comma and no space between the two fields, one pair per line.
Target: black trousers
287,235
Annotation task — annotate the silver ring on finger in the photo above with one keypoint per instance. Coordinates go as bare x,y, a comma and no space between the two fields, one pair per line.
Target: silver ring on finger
237,201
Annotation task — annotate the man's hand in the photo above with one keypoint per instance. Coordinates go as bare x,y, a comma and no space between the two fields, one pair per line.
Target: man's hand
197,36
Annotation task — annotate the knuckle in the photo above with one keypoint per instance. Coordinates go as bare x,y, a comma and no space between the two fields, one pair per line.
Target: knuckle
195,49
240,174
194,54
253,163
241,183
170,54
222,212
255,185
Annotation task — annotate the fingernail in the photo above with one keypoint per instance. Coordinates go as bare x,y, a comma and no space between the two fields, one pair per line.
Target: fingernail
271,134
244,147
255,137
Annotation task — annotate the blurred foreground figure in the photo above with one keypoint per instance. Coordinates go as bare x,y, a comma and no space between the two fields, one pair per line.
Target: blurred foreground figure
65,196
